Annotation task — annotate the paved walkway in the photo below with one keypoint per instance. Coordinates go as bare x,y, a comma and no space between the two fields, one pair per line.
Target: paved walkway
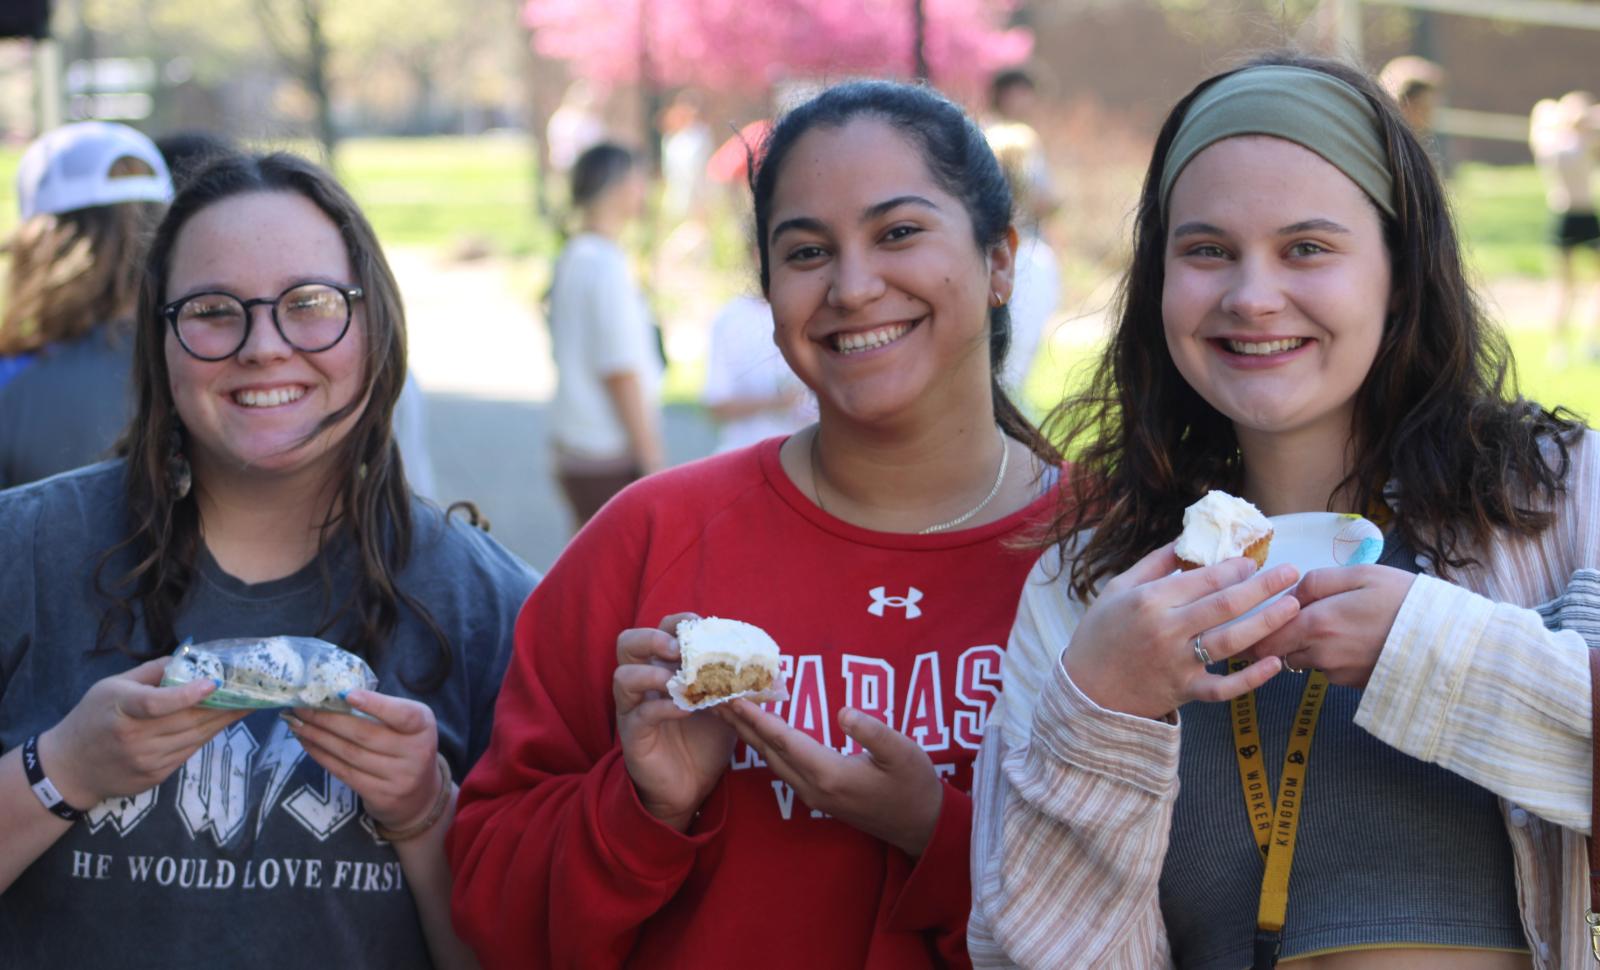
482,355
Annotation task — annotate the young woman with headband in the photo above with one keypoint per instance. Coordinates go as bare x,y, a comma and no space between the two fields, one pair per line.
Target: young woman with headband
1296,328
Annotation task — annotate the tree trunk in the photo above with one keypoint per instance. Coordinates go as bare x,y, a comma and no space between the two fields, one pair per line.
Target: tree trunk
919,41
316,78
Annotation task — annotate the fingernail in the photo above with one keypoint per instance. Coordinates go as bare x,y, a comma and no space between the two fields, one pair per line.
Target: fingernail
294,722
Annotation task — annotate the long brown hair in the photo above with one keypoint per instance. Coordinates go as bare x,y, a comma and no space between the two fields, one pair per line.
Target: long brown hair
1437,417
73,271
373,505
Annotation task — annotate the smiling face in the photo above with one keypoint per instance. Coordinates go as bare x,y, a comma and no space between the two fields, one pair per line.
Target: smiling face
1277,286
879,292
258,409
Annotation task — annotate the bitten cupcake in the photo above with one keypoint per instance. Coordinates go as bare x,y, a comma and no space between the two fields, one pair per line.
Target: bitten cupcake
724,659
1222,526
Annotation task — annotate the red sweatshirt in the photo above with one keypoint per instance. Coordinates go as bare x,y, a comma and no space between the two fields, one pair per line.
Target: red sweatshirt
557,863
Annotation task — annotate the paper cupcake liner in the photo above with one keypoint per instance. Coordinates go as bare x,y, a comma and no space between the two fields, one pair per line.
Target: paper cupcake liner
778,690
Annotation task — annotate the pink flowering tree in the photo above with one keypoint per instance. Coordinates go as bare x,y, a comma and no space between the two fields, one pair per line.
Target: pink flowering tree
746,45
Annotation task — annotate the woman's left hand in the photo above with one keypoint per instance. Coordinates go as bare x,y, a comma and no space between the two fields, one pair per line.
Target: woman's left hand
390,762
1345,616
889,791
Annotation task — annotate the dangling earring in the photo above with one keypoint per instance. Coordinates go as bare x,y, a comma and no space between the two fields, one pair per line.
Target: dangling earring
179,477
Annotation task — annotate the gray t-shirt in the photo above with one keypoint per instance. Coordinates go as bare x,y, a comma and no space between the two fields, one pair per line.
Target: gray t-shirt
68,407
250,855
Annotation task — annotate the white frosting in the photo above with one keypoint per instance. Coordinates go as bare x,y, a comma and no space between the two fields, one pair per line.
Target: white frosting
733,642
191,664
334,675
272,664
1219,527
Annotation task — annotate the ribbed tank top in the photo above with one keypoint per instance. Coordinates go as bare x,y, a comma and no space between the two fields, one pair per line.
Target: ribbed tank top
1391,850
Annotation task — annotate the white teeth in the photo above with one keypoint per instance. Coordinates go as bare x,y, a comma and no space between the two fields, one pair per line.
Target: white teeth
852,343
269,398
1261,349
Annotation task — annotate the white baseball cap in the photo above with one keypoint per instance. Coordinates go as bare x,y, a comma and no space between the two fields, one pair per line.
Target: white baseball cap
70,168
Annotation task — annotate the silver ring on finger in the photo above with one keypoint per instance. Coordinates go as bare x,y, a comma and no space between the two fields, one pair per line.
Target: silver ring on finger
1290,667
1200,652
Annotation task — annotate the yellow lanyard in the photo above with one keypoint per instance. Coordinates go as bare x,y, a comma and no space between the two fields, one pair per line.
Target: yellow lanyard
1276,825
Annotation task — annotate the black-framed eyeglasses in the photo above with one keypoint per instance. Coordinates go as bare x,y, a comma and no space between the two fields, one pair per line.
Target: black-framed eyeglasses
311,317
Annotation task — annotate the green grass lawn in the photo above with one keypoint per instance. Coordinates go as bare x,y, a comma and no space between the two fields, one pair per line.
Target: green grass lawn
448,192
1503,221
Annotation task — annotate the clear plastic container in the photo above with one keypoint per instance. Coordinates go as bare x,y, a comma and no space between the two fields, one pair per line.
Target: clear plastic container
261,672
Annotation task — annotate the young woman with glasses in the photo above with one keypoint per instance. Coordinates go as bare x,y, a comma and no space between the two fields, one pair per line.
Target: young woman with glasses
260,494
883,548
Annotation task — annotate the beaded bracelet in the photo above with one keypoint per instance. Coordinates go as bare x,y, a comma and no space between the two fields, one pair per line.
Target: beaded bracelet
430,820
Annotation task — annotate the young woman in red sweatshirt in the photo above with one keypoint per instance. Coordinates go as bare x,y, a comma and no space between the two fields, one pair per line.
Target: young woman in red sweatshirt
880,547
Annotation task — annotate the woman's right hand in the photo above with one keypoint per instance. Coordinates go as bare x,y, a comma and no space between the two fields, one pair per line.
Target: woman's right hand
128,734
1134,652
674,757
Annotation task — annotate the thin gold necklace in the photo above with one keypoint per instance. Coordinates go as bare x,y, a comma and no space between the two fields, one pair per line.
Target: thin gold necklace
999,479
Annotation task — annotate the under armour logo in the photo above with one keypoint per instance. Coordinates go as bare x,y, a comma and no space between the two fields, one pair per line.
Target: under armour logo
1296,758
908,602
1248,751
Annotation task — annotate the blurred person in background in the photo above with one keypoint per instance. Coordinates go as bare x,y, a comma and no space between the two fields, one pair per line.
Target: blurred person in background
573,127
1416,84
260,494
1037,291
187,152
86,193
685,149
750,391
605,421
1014,101
1564,136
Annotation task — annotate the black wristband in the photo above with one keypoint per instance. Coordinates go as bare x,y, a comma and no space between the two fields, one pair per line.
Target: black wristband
49,797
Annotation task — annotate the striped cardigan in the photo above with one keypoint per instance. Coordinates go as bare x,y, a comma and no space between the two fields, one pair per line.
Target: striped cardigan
1074,802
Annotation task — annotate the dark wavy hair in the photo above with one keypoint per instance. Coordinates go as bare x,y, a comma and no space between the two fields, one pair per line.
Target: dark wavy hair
1438,414
373,505
960,161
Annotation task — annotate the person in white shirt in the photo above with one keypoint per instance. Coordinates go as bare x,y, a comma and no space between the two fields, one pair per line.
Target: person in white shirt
1562,136
750,390
573,127
1037,292
605,419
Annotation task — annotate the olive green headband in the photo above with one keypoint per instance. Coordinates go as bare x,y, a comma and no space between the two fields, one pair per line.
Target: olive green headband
1312,109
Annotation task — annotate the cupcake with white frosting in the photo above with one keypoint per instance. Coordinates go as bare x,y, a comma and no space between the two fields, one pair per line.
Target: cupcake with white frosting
1220,527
